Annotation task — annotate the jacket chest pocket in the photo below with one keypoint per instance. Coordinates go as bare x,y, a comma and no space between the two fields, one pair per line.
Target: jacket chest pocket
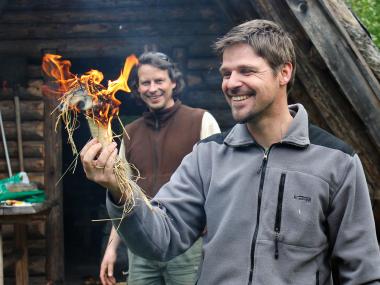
294,209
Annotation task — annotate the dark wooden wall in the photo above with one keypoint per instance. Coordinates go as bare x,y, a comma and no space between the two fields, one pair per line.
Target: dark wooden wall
99,34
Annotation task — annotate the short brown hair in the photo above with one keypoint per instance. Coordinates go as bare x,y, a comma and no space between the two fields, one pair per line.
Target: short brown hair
267,39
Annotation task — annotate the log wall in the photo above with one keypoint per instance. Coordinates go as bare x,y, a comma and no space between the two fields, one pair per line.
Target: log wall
97,34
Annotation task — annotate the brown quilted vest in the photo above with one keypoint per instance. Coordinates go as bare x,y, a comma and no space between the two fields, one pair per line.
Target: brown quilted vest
159,141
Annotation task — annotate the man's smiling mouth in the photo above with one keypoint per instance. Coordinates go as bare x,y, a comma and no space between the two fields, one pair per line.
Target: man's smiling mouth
239,98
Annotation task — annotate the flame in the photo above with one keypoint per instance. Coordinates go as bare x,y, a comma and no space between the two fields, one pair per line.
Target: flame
104,103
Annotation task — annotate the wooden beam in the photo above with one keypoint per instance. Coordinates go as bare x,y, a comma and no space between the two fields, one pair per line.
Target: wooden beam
99,47
31,149
23,93
30,164
53,171
30,110
21,271
190,12
324,91
108,30
31,131
348,67
92,4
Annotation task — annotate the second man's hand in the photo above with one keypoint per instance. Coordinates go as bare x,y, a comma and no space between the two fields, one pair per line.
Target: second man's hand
98,165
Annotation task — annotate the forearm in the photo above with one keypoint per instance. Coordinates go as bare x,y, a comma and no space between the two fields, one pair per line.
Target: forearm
114,239
136,233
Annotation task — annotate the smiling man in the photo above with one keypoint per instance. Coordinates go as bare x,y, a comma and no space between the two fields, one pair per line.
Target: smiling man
156,146
281,198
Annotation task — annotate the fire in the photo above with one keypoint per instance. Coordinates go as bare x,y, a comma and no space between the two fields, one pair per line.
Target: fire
85,92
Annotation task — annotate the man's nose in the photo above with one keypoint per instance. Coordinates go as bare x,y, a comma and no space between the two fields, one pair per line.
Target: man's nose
153,87
233,81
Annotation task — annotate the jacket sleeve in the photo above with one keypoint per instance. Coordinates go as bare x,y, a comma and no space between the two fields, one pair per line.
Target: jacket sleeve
352,229
173,223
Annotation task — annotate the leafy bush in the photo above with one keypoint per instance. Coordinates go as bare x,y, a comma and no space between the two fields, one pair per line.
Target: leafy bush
368,11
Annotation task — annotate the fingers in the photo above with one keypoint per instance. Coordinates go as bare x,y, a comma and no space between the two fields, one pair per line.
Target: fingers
87,146
106,273
89,152
105,154
111,161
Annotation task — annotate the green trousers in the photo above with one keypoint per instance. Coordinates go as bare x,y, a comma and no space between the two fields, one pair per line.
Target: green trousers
181,270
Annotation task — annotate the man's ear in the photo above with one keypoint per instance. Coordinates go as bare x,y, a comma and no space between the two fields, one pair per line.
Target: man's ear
285,73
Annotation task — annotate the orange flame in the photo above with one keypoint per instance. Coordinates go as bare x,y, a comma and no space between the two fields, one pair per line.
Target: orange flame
104,103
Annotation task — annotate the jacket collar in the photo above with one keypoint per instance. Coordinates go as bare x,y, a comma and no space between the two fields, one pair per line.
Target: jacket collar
159,118
297,134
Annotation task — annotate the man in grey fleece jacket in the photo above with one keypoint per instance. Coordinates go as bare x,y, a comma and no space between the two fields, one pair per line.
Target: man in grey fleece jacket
280,197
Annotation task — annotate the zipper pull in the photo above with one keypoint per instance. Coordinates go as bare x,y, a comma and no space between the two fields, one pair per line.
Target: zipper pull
276,238
262,163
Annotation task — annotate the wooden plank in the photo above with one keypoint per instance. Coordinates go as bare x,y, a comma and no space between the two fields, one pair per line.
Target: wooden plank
95,47
23,93
30,164
36,247
36,231
30,110
36,264
33,280
1,258
53,170
21,271
191,12
31,149
107,30
31,131
343,60
92,4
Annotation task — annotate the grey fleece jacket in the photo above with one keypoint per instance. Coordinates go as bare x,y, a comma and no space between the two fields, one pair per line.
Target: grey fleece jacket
275,217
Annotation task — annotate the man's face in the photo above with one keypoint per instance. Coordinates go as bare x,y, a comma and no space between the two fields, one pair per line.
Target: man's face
155,87
249,85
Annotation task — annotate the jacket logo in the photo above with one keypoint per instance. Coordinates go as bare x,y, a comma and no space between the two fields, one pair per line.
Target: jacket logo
302,198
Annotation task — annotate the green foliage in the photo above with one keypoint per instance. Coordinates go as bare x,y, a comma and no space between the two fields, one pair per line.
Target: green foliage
368,11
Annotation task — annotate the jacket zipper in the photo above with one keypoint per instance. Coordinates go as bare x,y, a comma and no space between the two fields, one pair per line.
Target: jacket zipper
277,224
262,169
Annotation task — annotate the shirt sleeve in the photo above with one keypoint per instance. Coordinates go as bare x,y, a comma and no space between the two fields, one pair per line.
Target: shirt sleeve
352,229
209,126
173,223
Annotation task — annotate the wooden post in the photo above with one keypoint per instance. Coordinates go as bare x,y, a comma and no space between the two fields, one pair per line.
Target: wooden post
21,268
53,171
1,259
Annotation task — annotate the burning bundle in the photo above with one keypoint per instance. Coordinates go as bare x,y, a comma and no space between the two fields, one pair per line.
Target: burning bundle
85,94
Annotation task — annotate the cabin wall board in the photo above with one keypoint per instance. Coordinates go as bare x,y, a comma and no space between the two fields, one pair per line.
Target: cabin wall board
91,31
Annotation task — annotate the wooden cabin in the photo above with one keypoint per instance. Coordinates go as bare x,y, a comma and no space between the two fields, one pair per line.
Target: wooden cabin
335,80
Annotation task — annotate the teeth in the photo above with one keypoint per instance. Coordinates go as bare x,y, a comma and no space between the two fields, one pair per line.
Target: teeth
239,98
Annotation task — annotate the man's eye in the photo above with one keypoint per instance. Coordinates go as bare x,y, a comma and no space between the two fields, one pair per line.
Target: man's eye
246,71
145,83
226,75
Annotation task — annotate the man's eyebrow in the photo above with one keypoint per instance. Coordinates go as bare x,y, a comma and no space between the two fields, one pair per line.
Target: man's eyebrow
243,66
